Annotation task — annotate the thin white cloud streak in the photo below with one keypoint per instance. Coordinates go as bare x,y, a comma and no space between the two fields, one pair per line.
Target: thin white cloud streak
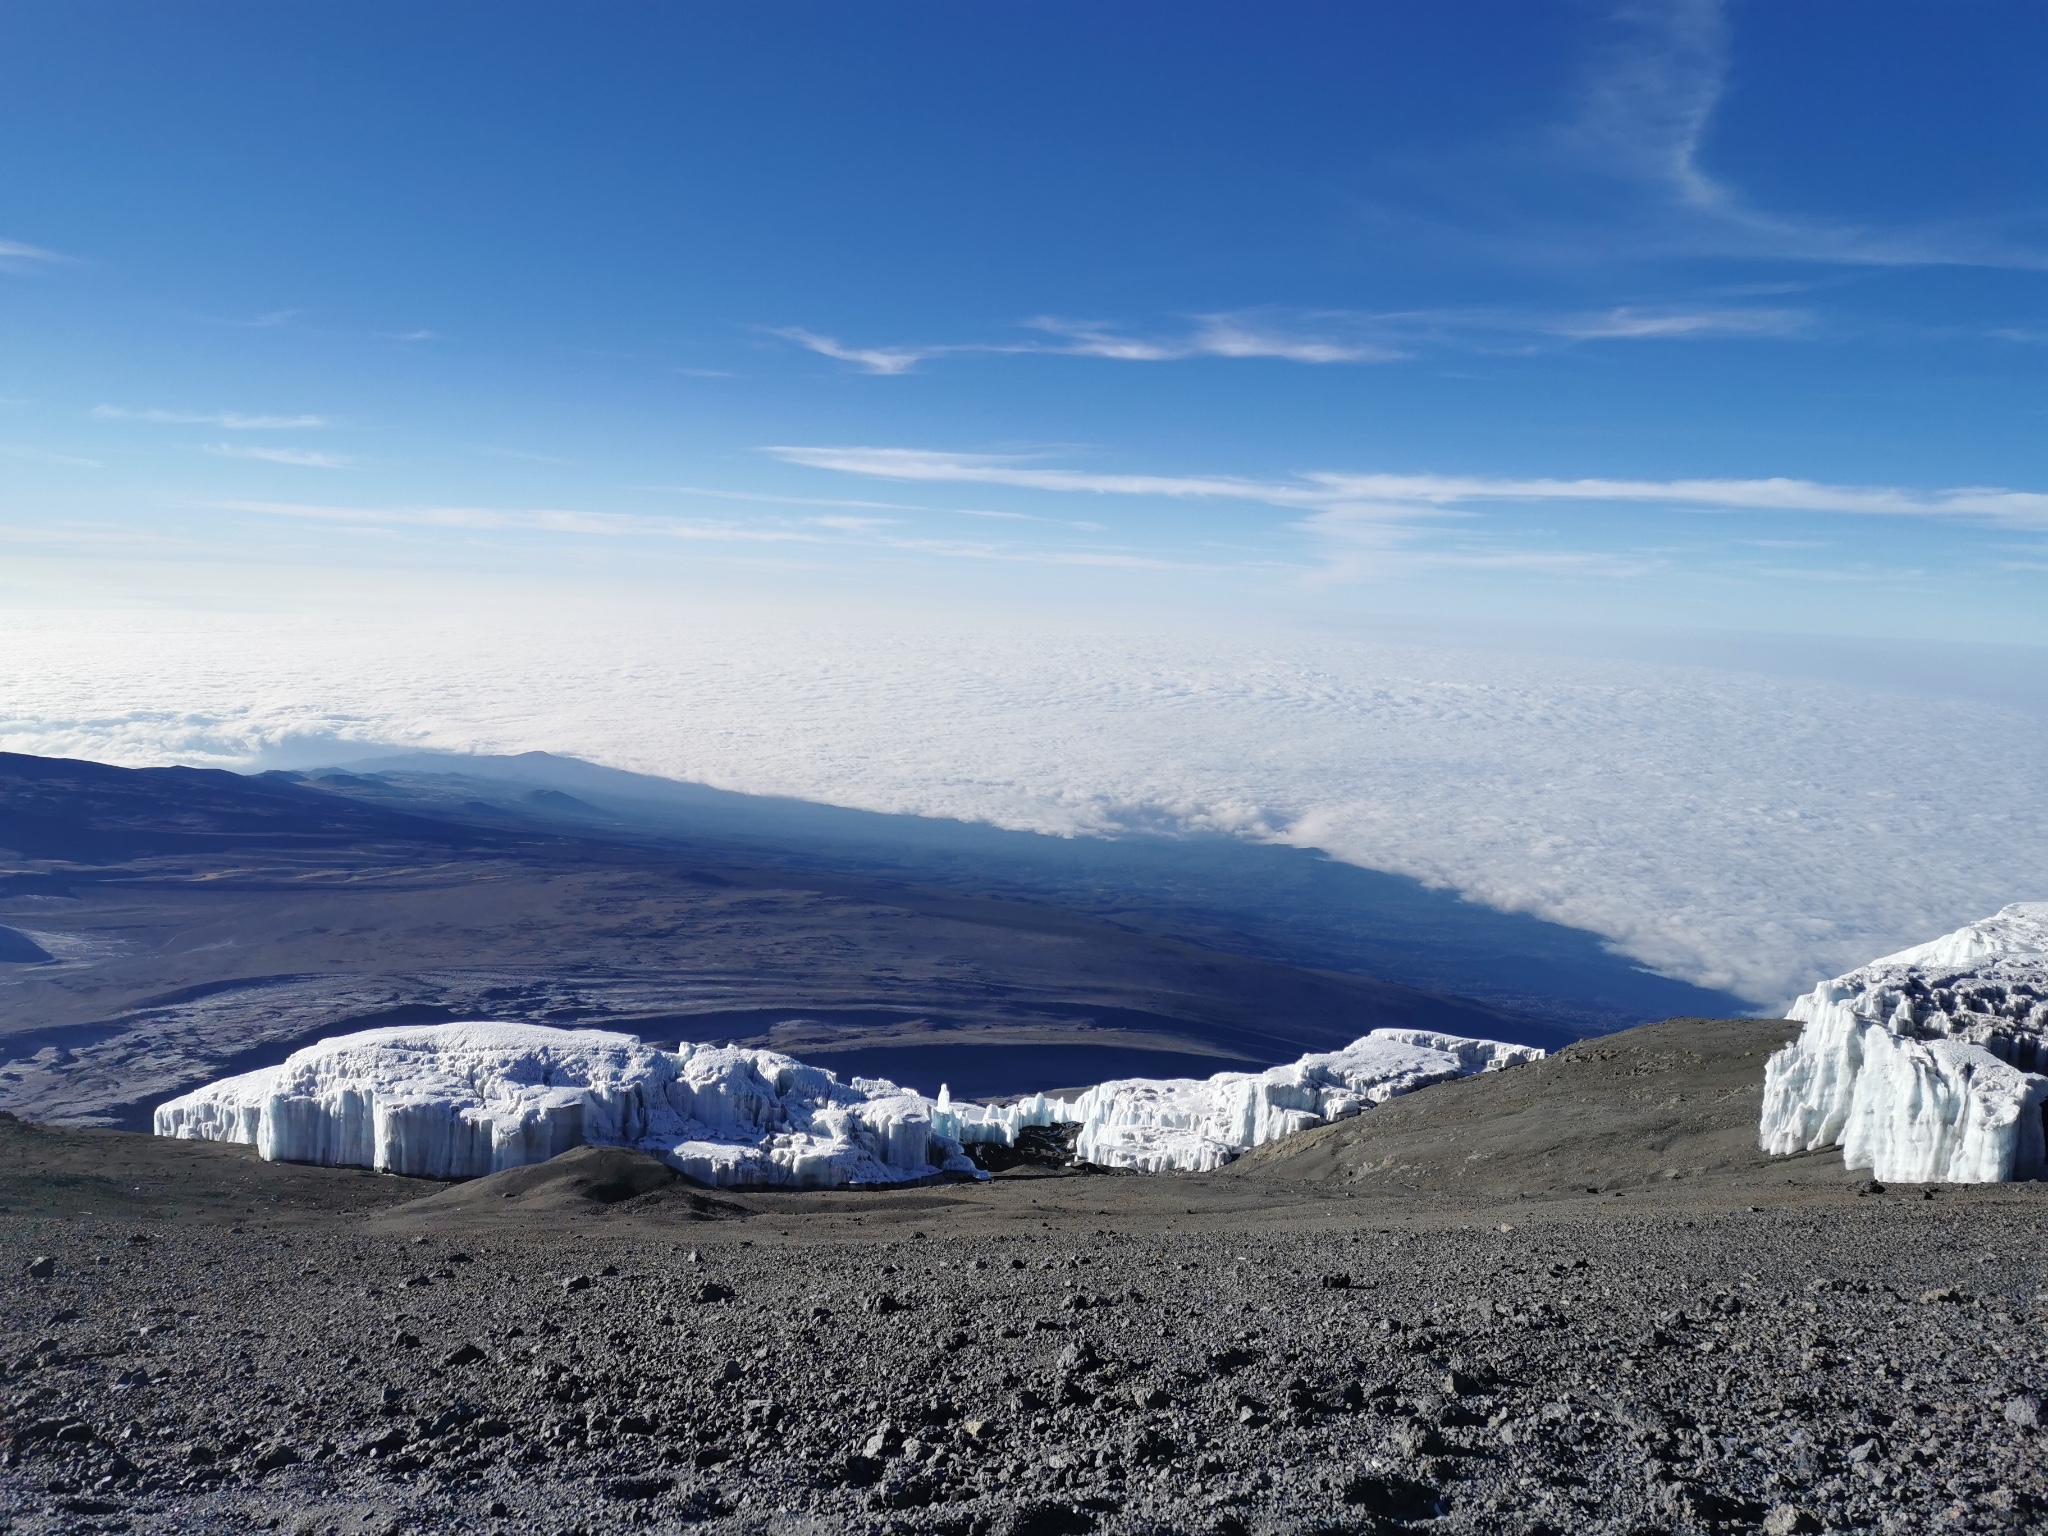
1219,335
1398,497
873,532
1328,336
1630,324
536,520
19,253
233,421
301,458
1644,112
885,361
44,456
1240,335
787,501
959,549
877,506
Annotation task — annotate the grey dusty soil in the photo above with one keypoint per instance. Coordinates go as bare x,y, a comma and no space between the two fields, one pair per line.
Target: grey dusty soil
1567,1298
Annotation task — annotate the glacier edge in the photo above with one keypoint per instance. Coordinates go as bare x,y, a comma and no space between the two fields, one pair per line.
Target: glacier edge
1923,1066
453,1101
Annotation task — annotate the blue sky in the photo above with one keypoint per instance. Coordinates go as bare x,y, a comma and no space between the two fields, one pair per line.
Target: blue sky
1661,315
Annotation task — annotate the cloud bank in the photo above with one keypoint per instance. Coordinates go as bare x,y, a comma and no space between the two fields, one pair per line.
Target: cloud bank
1747,832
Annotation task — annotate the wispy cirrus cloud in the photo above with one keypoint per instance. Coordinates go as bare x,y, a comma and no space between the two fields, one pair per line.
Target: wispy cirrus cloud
841,529
1393,498
864,504
1629,323
880,360
522,520
1249,334
1326,337
301,458
1643,112
233,421
17,255
45,456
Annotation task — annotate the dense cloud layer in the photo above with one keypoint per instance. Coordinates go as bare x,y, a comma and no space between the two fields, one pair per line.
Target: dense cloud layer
1740,831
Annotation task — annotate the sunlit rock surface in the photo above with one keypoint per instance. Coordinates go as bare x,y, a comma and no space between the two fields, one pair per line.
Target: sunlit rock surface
452,1101
1925,1066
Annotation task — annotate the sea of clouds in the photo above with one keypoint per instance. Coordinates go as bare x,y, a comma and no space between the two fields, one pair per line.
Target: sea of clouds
1735,829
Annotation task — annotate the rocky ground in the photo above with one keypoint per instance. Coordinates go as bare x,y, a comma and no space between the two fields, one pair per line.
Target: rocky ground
1346,1337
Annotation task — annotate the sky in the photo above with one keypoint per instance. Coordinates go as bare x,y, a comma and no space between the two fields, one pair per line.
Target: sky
720,350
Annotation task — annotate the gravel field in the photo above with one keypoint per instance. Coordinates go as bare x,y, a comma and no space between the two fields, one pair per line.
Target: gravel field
1319,1341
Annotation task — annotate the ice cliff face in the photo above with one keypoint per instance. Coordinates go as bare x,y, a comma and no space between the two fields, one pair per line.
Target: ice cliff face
452,1101
1193,1125
1927,1065
455,1101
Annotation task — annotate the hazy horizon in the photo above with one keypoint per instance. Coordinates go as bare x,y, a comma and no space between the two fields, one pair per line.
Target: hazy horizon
1583,456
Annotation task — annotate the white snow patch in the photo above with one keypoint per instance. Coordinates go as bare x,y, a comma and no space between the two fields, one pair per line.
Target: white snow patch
454,1101
1925,1066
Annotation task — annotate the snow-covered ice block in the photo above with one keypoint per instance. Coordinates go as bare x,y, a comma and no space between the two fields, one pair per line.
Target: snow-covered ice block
452,1101
455,1101
1925,1066
1194,1125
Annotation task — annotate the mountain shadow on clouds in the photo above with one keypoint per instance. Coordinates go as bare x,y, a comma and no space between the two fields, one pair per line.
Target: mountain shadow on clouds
203,923
1293,905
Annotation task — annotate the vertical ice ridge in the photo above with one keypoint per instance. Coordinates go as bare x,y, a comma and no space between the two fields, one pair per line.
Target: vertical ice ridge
1923,1065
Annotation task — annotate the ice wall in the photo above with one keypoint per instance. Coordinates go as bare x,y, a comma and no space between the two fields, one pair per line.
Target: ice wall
1195,1124
1925,1066
453,1101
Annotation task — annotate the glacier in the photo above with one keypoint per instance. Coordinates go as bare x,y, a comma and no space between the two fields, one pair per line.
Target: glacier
1926,1066
457,1101
1193,1125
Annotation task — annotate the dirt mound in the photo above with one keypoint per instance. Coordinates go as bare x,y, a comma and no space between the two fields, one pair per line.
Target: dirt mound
581,1179
1668,1111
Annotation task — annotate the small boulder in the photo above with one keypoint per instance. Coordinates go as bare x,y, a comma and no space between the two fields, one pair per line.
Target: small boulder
42,1267
1789,1519
1078,1356
275,1456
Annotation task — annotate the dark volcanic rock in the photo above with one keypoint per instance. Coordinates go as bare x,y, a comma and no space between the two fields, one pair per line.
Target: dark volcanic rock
1676,1365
